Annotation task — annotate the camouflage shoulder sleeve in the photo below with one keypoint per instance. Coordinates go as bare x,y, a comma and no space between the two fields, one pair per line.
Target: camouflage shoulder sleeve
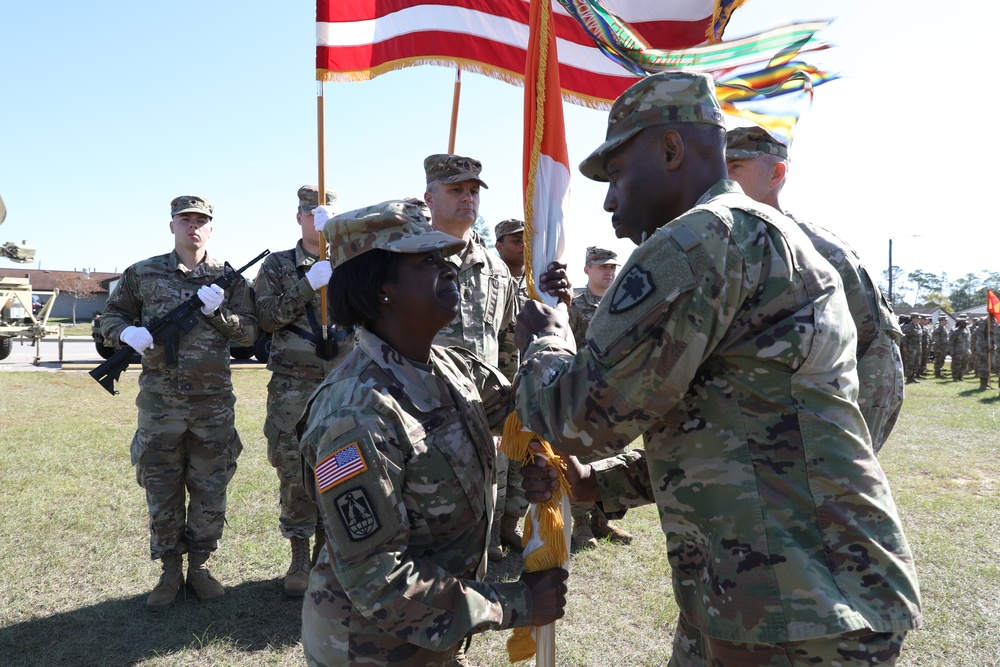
623,481
123,307
668,310
280,296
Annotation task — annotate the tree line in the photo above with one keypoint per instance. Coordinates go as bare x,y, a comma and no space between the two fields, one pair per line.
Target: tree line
931,289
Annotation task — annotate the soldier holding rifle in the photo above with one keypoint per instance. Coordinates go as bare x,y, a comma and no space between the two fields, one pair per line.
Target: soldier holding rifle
186,437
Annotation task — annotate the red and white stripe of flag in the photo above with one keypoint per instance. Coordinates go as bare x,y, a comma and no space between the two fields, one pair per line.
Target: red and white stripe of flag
360,39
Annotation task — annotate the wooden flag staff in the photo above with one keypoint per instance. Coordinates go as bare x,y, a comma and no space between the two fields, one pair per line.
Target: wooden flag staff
454,110
321,198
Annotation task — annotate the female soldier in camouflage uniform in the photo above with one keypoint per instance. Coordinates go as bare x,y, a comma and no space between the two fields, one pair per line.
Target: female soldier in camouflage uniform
404,466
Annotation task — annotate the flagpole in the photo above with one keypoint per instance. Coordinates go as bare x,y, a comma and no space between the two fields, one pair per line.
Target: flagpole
454,109
321,199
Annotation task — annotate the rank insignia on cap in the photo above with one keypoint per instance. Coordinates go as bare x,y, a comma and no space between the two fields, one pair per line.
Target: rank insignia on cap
357,513
343,464
633,288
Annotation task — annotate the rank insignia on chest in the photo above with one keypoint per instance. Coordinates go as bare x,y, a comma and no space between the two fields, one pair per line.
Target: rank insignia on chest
342,465
632,289
357,513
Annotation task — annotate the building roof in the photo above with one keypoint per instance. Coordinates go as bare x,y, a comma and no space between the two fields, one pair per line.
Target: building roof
46,281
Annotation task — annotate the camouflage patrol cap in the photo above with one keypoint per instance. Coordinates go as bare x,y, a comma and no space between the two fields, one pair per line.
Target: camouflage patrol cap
506,227
395,225
446,168
743,143
190,204
660,99
599,256
309,197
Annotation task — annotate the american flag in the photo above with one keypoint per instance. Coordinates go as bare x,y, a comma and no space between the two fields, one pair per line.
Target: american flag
342,464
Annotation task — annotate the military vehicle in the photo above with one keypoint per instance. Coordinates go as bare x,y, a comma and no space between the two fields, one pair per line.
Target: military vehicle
18,316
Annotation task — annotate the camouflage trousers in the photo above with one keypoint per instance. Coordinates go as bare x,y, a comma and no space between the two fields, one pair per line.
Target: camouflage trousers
286,398
862,648
939,354
959,365
185,443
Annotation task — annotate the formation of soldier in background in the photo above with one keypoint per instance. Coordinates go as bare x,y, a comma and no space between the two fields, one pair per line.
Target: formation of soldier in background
973,348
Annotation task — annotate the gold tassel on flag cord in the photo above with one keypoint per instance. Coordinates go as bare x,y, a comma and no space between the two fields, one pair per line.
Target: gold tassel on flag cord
546,533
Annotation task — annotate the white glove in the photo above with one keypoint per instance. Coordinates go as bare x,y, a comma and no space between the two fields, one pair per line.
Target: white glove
211,296
319,274
321,214
138,338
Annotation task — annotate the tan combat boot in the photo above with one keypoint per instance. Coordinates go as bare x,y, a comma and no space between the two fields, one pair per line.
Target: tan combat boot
205,586
297,577
162,597
583,535
510,536
601,527
320,538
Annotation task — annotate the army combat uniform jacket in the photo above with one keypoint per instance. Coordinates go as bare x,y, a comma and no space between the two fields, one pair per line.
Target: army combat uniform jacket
580,313
152,288
405,479
880,364
482,325
726,340
282,296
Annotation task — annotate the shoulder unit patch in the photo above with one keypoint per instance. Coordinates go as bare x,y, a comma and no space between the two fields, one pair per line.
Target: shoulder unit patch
357,513
632,289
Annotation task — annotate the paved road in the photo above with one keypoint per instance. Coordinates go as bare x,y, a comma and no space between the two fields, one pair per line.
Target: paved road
79,354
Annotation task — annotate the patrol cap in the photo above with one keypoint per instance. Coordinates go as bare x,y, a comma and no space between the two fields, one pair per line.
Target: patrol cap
599,256
309,197
394,225
506,227
743,143
190,204
447,168
667,97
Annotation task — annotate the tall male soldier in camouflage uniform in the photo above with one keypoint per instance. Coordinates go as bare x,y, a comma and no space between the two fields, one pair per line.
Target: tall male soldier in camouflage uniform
939,341
984,359
925,344
186,437
727,342
914,341
509,236
600,266
759,163
482,325
287,299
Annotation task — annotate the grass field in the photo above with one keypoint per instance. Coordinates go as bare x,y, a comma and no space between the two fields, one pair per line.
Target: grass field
75,569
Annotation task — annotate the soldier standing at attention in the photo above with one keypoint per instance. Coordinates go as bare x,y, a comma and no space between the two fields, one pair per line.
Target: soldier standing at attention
727,342
482,324
186,438
287,300
939,340
759,163
925,344
600,266
510,246
914,338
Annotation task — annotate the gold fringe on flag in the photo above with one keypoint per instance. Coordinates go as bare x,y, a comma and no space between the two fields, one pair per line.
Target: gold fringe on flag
545,540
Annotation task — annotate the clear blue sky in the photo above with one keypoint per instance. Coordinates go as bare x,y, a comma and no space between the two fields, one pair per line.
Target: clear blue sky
108,110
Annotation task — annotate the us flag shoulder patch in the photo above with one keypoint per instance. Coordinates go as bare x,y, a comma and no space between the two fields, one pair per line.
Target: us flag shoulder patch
343,464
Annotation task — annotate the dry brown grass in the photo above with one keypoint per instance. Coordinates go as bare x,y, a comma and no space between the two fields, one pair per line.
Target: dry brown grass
74,566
